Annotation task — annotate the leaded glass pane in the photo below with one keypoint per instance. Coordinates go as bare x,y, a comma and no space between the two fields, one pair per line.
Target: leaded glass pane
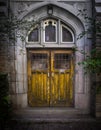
50,33
33,36
66,35
39,61
62,61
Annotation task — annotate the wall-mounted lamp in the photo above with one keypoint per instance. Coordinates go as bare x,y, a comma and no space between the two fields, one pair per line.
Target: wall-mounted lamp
49,10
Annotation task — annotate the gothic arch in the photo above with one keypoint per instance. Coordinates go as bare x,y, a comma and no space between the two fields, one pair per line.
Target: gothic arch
65,13
59,12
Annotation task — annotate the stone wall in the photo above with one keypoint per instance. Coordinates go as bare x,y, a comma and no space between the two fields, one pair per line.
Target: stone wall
7,63
98,46
4,68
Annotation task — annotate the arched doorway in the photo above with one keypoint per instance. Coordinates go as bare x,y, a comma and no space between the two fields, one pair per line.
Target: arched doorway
65,18
51,67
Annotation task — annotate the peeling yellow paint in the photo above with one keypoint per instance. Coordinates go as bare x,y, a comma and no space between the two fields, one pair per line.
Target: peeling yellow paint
50,87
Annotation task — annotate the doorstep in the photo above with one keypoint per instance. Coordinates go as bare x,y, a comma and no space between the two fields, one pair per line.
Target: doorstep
52,114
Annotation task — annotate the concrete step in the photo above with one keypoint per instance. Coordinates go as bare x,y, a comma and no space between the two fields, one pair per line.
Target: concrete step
87,124
53,119
50,114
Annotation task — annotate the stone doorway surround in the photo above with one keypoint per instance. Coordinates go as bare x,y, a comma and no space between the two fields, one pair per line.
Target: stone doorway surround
68,13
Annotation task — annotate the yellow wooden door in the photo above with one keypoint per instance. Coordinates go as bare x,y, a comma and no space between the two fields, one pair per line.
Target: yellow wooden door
50,75
38,73
61,78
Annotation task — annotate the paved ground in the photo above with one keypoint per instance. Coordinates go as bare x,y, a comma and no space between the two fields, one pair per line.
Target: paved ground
72,125
52,119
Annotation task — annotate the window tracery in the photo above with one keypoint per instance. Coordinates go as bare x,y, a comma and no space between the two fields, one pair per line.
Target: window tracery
51,32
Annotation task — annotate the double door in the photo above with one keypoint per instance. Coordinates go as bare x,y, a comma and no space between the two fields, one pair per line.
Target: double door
50,78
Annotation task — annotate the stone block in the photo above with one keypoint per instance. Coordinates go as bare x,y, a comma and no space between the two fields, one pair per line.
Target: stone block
3,50
3,63
11,52
19,87
12,88
19,77
19,100
12,66
82,101
18,64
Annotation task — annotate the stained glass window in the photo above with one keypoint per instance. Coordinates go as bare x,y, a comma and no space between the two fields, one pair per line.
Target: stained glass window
62,61
50,31
39,61
34,35
66,35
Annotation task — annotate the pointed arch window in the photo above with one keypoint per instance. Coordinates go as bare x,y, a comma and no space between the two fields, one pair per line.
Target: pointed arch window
33,35
66,34
50,31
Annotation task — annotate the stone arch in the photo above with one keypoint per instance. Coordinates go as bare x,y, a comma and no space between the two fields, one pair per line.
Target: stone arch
68,9
59,12
67,14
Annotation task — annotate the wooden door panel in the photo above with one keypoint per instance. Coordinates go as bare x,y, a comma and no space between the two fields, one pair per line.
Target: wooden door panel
39,84
61,79
50,82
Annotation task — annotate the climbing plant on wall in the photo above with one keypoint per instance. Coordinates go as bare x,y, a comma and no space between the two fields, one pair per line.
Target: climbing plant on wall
10,28
92,62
